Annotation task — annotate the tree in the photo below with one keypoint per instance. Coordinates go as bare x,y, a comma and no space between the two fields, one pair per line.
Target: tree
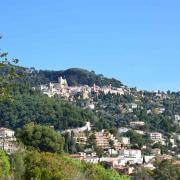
4,165
92,140
69,144
43,138
7,74
18,164
136,138
143,174
111,143
99,152
166,171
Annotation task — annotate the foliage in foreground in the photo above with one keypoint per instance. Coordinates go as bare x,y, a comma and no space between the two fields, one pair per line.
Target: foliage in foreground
46,166
4,165
34,165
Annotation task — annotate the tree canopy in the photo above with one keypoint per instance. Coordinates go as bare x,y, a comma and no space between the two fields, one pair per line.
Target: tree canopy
41,137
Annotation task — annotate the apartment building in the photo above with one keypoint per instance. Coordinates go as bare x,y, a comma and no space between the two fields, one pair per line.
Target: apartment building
155,136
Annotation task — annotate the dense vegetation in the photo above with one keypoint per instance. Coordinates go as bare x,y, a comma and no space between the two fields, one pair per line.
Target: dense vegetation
31,106
165,170
34,165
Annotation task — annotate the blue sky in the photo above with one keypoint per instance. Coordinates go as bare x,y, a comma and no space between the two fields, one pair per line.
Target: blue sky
135,41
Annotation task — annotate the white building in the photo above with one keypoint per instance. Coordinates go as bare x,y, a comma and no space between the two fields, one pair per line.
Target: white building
177,117
123,130
122,161
155,136
132,153
137,123
87,158
140,132
159,110
177,120
156,151
62,82
91,159
125,140
6,133
112,152
7,140
172,141
134,106
120,91
91,106
8,147
87,127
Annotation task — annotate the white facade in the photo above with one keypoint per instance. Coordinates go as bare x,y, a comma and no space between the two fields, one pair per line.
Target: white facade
80,129
155,136
156,151
125,140
91,106
133,153
177,120
137,123
91,159
134,106
4,133
112,151
159,110
177,117
122,161
123,130
140,132
7,140
109,89
8,147
62,82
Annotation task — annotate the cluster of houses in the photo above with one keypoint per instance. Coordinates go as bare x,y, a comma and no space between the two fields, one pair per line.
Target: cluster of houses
118,152
63,90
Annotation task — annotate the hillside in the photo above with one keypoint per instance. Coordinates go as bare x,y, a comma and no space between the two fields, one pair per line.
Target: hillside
111,111
31,106
106,107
